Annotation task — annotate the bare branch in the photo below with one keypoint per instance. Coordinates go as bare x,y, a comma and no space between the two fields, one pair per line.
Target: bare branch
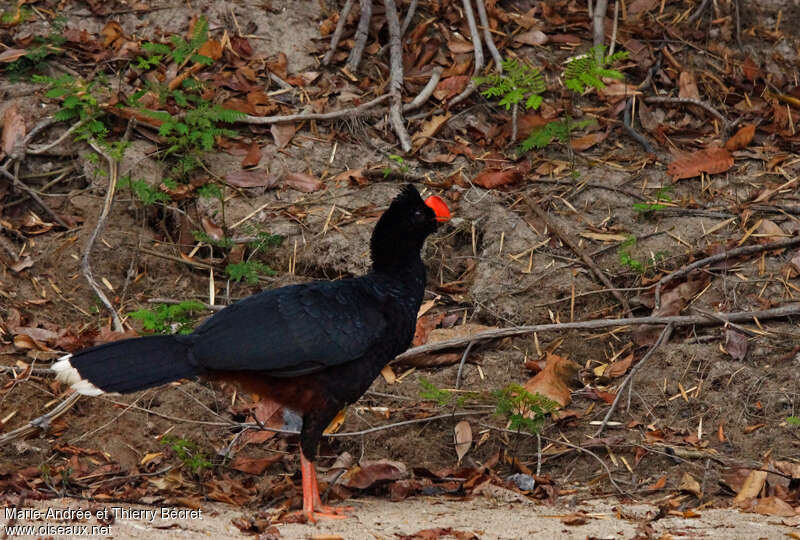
362,33
337,34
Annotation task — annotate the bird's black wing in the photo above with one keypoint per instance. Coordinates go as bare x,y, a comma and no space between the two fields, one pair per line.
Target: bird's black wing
293,330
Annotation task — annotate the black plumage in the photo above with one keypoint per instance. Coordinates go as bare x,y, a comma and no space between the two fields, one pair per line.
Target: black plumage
313,347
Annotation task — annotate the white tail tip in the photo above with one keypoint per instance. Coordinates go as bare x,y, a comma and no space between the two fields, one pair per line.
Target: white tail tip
69,375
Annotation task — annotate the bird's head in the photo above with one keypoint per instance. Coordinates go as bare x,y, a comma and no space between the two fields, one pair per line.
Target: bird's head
403,227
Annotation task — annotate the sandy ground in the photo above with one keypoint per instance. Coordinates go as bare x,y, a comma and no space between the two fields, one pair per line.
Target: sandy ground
380,519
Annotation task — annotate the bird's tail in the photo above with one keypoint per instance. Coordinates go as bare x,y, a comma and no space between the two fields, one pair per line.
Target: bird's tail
127,365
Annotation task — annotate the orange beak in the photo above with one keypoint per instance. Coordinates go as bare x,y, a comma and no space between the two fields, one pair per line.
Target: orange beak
439,208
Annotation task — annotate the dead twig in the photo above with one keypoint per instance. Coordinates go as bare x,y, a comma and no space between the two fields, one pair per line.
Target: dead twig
698,12
565,443
676,320
461,364
86,266
337,34
598,24
746,250
362,33
478,51
355,111
487,36
412,8
396,70
45,147
40,422
31,193
581,253
253,425
426,92
627,123
692,101
663,338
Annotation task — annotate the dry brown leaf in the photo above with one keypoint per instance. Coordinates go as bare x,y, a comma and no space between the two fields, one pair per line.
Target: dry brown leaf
751,487
112,31
773,506
425,324
741,138
688,483
388,375
24,341
22,264
709,160
462,436
618,90
459,46
13,129
451,86
211,48
769,231
587,141
12,55
251,178
638,7
213,230
735,344
552,381
367,473
619,368
492,178
253,156
254,465
283,133
687,86
337,423
428,130
659,484
750,69
531,37
302,182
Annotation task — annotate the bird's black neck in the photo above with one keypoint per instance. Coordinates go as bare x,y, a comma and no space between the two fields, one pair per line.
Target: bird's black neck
408,276
396,255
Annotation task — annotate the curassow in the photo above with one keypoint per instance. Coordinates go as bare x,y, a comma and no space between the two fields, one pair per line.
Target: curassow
313,347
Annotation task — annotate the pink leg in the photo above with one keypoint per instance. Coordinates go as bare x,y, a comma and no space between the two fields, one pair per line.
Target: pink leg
312,504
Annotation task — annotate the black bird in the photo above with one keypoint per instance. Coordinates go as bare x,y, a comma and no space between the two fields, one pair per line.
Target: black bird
313,347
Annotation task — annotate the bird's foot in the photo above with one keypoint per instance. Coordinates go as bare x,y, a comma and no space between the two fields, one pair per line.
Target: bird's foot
326,512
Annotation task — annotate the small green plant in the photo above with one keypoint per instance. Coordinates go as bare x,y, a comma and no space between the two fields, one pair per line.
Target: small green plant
146,193
588,70
188,452
557,129
662,195
43,46
248,271
181,50
793,421
402,167
15,16
168,319
442,396
519,83
202,236
524,411
78,103
192,133
625,257
432,392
